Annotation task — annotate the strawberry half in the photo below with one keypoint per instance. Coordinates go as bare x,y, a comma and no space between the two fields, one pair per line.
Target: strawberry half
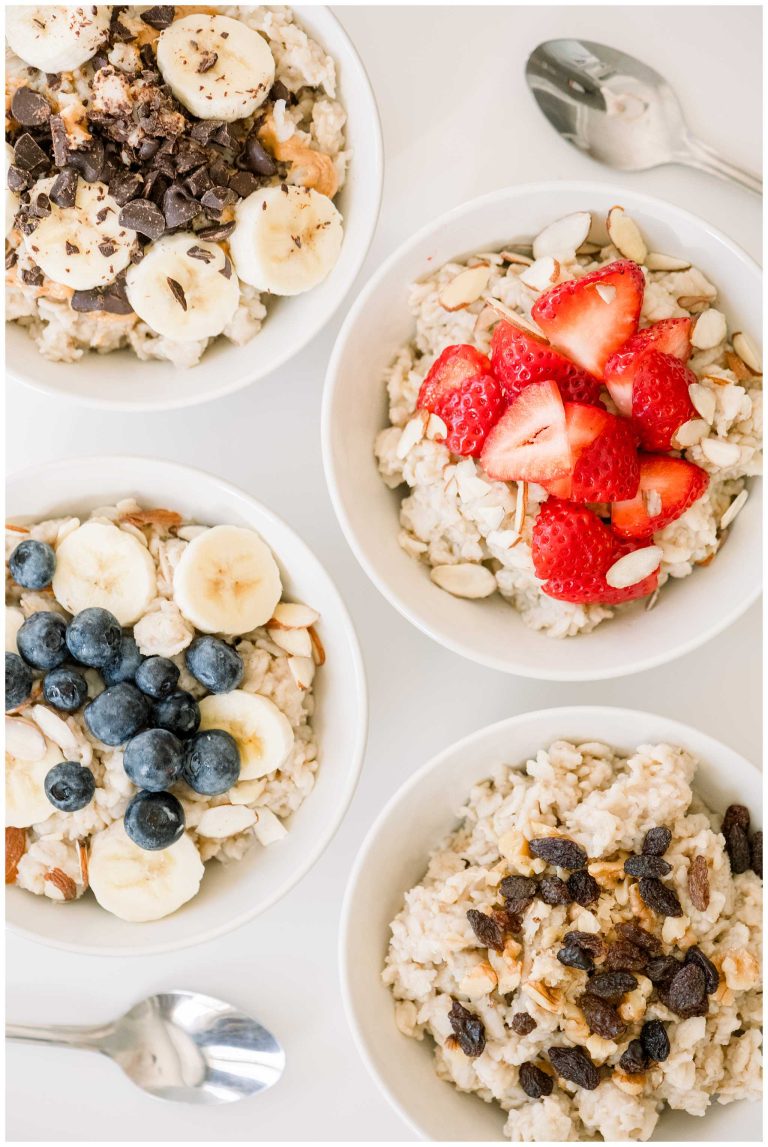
661,402
520,357
594,589
453,367
570,541
668,485
529,442
604,464
670,336
469,412
588,319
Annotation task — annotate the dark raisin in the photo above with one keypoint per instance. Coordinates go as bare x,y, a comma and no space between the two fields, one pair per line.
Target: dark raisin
558,850
656,841
468,1029
661,969
573,1063
611,986
735,814
646,866
655,1040
737,847
523,1024
602,1017
518,887
756,854
659,897
574,957
488,931
589,941
694,955
698,883
534,1081
509,920
634,1060
553,890
640,937
625,957
687,992
583,888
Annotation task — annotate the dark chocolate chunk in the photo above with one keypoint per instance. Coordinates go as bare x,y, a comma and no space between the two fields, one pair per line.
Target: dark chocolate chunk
217,198
124,186
111,299
29,156
30,108
207,61
257,158
198,182
201,253
148,149
107,248
177,291
217,231
64,190
204,129
279,91
179,208
159,17
18,180
188,155
70,248
226,270
41,205
143,216
59,141
244,183
118,33
32,276
89,161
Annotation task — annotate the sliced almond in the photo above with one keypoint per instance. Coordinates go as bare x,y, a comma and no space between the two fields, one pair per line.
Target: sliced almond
247,792
704,400
521,506
655,261
720,452
652,600
55,728
737,366
64,885
15,847
465,288
709,330
634,567
302,670
514,317
14,529
297,642
747,352
653,503
225,820
625,235
541,274
412,434
24,740
437,431
690,433
606,291
164,518
268,828
735,508
694,303
82,855
563,237
318,649
293,615
466,579
589,248
516,259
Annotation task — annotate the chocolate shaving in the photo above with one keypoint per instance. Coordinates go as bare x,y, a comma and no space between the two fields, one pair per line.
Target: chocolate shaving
217,232
32,276
107,248
177,291
70,248
226,270
200,253
143,216
64,190
207,61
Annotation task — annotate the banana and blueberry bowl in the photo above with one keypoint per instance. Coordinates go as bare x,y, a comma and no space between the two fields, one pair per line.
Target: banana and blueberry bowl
159,705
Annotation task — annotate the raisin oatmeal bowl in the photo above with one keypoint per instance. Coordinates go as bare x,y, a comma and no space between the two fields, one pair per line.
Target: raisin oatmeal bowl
538,448
191,187
552,933
185,706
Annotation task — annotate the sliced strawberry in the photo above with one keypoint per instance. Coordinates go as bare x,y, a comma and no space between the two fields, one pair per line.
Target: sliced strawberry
529,442
455,366
469,412
603,456
570,541
661,402
588,319
593,588
519,358
670,336
668,486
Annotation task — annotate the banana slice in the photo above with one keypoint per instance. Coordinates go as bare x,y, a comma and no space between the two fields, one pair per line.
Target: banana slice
286,239
25,800
55,38
264,735
11,199
217,67
184,288
227,581
99,564
82,246
138,885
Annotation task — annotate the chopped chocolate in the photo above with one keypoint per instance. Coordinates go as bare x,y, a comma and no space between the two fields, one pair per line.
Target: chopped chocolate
118,33
217,198
143,216
207,61
29,108
201,253
11,259
147,54
64,190
204,129
89,161
223,136
32,276
70,248
148,149
107,248
179,208
41,206
159,17
217,232
18,180
189,155
226,270
111,299
177,291
29,156
279,91
244,183
124,186
59,141
257,158
198,182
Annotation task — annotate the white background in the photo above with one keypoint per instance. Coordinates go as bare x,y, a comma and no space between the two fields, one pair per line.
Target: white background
458,121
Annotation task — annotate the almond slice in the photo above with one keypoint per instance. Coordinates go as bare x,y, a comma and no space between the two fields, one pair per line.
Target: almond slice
737,366
542,274
736,506
225,820
437,431
689,433
293,615
164,518
709,330
625,235
721,452
302,670
704,400
412,434
82,855
297,642
516,259
695,303
55,729
64,885
747,352
268,828
501,311
318,649
15,847
466,579
563,237
16,529
589,248
634,567
606,291
655,261
521,505
24,740
465,288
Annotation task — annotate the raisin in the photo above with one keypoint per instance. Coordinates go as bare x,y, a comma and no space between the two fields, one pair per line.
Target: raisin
508,920
698,883
589,941
735,814
522,1023
573,1063
488,931
625,957
659,898
468,1029
518,888
655,1040
661,969
611,986
694,955
687,992
634,1060
737,847
558,850
656,841
756,851
640,937
646,866
553,890
574,957
583,888
602,1017
534,1081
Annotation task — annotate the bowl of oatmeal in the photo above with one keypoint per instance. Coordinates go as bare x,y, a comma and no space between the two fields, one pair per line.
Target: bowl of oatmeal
193,188
501,431
568,930
185,706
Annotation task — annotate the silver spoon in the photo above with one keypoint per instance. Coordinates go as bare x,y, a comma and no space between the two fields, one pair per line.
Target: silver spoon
618,110
178,1045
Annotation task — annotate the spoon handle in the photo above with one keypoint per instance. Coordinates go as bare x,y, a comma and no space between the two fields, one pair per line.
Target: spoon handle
698,154
60,1036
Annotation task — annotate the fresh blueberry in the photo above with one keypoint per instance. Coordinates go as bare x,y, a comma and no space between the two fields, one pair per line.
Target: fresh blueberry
215,664
212,762
117,714
69,786
153,760
32,564
94,637
18,681
179,714
42,640
123,666
154,820
65,689
157,677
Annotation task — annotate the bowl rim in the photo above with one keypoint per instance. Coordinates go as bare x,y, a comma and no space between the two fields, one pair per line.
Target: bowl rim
357,669
397,599
24,372
558,714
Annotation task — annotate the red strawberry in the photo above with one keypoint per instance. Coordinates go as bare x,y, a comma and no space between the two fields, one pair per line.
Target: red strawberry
520,357
660,399
469,412
673,482
529,442
450,369
594,588
590,324
570,541
603,456
670,336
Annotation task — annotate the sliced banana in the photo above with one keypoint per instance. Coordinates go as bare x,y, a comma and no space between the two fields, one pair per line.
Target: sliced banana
25,800
101,565
55,38
217,67
227,581
137,884
263,733
82,246
11,199
286,239
184,288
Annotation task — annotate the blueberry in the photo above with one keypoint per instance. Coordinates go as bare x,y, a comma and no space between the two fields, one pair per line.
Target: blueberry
157,677
69,786
124,664
117,714
215,664
18,681
154,820
179,714
42,640
65,689
94,637
212,762
153,760
32,564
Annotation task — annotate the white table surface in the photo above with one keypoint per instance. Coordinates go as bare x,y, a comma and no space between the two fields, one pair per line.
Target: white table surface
457,122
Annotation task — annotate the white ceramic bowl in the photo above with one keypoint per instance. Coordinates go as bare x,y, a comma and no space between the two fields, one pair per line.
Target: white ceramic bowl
120,381
354,410
394,857
233,893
